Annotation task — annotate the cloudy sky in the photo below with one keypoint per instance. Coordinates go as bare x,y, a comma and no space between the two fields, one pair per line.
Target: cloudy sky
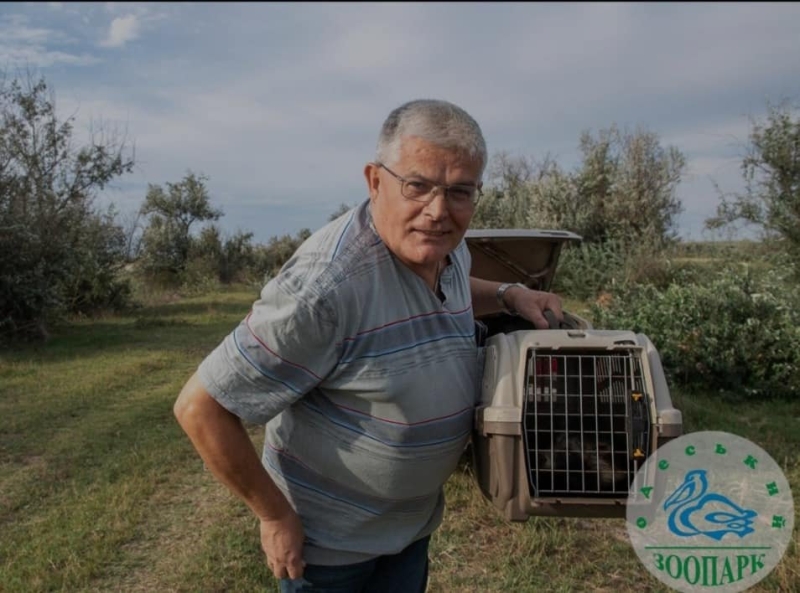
279,105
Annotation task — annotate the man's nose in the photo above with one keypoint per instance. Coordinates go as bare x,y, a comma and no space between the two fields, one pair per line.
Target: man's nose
437,207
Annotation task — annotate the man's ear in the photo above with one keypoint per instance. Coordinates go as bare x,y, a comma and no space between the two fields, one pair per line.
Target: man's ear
371,171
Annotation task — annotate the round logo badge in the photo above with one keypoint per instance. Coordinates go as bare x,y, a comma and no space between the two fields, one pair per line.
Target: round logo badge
710,511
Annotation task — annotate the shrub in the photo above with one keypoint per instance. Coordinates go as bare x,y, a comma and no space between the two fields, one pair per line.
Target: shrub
199,276
739,331
589,269
586,270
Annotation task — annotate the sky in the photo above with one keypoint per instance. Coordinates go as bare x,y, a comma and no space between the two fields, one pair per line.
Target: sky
279,105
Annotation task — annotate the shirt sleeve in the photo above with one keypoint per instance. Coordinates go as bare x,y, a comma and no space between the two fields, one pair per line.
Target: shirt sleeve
282,350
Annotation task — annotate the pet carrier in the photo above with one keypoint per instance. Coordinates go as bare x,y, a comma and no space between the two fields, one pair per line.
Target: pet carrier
567,415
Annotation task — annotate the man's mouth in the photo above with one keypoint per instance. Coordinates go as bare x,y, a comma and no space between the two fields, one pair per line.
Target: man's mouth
432,233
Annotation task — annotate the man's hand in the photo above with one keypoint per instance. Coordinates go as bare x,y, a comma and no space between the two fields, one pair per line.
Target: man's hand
229,454
531,305
282,542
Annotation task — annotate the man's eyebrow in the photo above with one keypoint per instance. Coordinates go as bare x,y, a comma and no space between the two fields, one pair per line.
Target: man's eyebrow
419,177
414,173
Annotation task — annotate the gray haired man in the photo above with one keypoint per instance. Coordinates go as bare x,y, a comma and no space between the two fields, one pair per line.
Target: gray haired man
360,358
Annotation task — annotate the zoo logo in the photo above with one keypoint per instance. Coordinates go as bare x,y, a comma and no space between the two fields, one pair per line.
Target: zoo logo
710,510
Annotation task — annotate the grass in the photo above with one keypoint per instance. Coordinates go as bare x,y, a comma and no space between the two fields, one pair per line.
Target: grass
100,490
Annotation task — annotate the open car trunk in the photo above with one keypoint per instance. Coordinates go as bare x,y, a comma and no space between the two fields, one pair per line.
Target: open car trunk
526,256
567,415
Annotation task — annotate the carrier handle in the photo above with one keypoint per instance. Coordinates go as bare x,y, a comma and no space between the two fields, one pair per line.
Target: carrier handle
553,323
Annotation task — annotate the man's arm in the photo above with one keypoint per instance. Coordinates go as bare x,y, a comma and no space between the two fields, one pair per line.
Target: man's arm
226,448
528,303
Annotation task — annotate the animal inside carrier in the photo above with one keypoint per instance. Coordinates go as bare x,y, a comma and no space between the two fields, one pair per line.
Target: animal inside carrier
567,415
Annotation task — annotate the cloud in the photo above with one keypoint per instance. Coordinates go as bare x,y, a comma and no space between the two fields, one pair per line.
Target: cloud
40,58
16,29
122,30
22,45
280,104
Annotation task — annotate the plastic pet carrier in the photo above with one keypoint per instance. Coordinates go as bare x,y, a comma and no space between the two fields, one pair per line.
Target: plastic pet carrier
567,415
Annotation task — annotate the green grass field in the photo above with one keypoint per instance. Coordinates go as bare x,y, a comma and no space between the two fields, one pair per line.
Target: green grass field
100,490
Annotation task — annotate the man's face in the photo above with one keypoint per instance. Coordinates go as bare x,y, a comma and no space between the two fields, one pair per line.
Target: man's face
421,235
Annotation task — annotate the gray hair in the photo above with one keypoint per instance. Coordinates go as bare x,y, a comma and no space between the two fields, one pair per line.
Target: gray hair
438,122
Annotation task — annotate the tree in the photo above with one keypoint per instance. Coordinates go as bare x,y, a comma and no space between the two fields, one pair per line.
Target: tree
771,171
271,257
228,258
629,183
167,238
53,243
100,255
506,198
623,190
339,211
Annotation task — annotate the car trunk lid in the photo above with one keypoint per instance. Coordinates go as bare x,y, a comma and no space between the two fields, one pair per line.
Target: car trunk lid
528,256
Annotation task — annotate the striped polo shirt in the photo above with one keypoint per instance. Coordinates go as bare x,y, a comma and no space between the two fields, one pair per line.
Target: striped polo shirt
366,382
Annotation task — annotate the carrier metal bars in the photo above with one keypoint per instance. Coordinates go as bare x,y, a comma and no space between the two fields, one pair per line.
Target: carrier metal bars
586,422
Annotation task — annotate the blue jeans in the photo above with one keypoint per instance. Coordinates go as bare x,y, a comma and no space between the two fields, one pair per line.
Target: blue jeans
406,572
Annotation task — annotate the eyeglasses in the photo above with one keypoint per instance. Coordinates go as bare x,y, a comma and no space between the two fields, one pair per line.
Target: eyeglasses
421,190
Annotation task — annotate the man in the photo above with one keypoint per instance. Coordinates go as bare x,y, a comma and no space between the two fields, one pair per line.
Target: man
360,358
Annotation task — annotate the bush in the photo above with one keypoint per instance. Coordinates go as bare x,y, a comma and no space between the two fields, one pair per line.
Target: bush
269,259
199,276
96,283
739,331
586,270
590,269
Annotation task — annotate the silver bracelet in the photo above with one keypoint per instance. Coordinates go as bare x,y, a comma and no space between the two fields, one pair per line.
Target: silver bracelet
501,292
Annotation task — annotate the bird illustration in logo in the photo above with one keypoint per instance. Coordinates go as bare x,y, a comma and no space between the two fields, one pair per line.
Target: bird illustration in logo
696,512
